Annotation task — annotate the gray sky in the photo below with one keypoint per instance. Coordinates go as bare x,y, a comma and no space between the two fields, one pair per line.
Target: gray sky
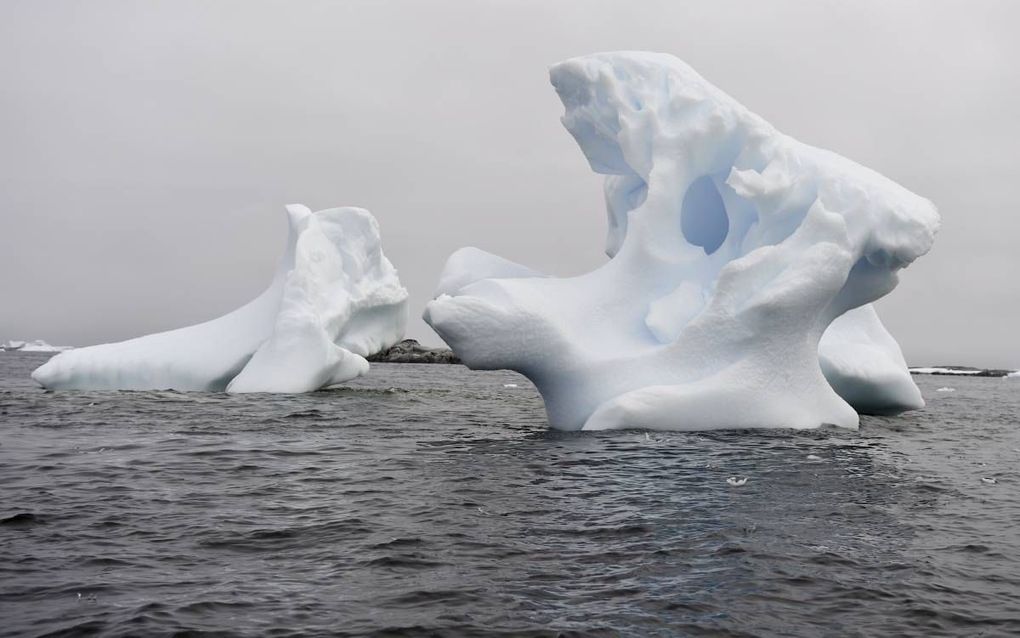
147,148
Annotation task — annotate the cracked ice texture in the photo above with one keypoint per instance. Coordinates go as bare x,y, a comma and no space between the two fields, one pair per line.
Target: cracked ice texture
733,249
335,299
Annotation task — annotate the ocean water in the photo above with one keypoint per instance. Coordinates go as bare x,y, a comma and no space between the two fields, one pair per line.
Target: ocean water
432,500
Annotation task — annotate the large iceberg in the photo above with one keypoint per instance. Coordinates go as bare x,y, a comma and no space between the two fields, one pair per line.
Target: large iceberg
335,299
733,249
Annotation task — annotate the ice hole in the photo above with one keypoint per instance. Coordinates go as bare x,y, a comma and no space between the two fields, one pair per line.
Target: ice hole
703,218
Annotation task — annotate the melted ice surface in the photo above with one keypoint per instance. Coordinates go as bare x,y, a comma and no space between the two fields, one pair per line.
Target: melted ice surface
334,300
733,248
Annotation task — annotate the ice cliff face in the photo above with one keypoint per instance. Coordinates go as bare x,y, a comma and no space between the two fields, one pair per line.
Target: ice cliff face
335,300
733,248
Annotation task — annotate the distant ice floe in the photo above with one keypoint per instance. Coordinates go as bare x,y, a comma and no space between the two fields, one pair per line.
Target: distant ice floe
964,371
733,248
31,346
961,372
335,300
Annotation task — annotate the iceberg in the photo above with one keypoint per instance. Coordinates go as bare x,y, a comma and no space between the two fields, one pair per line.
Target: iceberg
335,299
742,268
37,345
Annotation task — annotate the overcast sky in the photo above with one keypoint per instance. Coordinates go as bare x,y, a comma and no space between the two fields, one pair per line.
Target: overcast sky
147,148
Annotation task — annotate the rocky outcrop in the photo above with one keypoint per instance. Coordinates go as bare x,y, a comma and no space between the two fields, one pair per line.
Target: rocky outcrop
410,351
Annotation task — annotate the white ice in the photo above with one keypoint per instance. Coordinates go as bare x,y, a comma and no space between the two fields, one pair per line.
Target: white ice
864,365
335,299
733,248
944,371
38,345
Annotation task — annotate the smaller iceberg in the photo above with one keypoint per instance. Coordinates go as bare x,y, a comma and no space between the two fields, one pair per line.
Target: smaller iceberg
31,346
335,300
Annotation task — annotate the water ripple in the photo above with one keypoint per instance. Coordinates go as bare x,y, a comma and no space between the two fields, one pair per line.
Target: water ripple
430,500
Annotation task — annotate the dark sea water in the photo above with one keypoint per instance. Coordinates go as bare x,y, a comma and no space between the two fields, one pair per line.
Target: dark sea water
432,500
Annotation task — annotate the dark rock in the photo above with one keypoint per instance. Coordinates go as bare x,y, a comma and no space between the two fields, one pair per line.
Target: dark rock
410,351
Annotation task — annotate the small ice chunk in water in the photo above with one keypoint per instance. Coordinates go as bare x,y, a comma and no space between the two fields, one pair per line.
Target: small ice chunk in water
813,457
946,390
736,482
988,480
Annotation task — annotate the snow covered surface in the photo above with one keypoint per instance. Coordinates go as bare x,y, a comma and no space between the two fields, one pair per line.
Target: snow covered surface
32,346
335,299
733,248
944,371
